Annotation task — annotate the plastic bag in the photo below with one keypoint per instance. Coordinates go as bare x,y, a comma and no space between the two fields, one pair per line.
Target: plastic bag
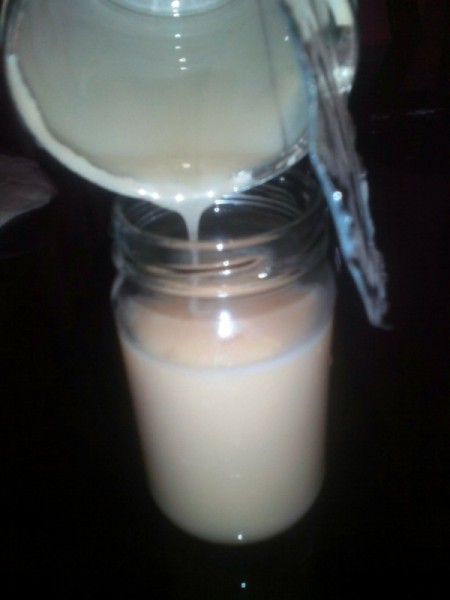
326,48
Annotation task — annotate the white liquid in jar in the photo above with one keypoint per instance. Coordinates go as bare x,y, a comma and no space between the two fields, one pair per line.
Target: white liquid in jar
231,416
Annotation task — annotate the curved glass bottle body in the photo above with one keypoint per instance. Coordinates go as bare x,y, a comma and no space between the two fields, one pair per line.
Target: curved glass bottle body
226,344
159,102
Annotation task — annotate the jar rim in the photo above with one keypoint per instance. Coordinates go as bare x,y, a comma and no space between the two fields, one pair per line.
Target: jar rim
267,194
266,237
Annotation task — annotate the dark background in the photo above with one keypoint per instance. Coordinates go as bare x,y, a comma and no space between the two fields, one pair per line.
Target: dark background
76,518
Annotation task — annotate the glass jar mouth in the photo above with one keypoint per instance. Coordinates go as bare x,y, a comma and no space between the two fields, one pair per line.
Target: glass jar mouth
291,203
264,238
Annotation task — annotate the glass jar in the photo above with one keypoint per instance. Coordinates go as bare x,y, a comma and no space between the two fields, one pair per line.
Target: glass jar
226,344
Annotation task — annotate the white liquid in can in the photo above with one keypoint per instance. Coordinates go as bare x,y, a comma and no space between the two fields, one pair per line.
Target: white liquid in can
155,107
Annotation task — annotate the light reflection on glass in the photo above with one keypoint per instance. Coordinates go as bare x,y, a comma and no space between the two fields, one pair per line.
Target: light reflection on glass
225,329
